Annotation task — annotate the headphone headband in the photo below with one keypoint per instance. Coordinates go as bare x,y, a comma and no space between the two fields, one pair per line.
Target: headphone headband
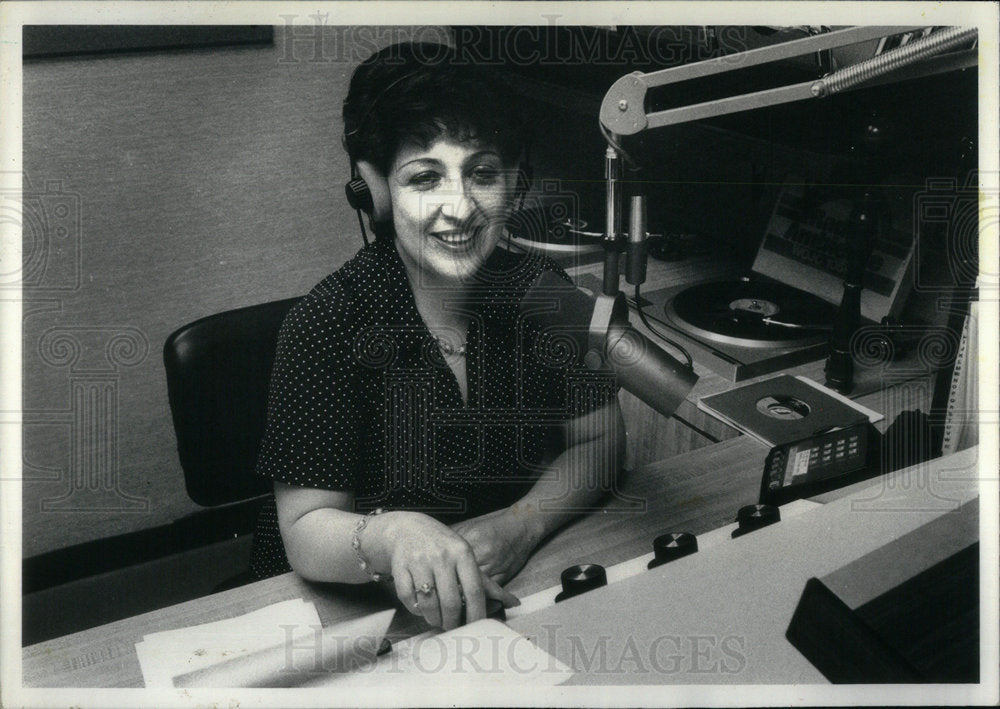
375,101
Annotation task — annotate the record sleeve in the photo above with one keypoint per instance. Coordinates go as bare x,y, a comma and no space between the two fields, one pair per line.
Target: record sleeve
781,410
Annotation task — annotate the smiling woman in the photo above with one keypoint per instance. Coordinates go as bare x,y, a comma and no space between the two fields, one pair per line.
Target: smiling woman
418,430
450,202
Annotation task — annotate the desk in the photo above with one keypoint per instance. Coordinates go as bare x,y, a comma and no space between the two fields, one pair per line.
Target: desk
720,616
689,483
695,491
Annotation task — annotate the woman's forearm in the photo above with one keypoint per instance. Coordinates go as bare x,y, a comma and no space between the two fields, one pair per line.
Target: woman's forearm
318,528
575,485
577,480
318,545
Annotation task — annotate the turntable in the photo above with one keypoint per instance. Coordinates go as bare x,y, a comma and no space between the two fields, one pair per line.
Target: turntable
751,312
768,321
746,327
779,315
555,227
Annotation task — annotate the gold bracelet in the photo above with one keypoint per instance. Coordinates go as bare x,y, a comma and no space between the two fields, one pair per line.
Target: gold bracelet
356,545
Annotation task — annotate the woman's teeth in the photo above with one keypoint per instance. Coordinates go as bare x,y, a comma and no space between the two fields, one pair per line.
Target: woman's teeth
454,238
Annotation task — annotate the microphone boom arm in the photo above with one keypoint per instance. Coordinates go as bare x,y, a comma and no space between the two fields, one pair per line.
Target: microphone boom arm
623,108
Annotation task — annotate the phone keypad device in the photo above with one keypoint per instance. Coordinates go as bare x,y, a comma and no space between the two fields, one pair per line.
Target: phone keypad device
815,464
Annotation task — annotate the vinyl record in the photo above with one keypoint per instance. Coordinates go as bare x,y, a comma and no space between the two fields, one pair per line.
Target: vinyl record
552,228
752,313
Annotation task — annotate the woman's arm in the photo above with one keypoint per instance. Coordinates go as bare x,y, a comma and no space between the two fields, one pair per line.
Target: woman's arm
318,530
313,524
581,475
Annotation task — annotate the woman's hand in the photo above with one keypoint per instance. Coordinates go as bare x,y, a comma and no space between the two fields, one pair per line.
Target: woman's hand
502,541
433,569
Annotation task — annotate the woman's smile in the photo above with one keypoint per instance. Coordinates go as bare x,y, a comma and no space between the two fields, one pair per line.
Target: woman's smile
454,237
457,243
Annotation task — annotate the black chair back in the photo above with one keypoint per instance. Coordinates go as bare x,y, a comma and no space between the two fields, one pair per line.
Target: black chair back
218,371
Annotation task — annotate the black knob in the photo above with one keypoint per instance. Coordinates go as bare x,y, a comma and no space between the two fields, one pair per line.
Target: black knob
754,517
672,545
580,579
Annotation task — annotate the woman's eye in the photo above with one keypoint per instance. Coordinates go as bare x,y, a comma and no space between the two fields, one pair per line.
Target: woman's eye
425,180
485,175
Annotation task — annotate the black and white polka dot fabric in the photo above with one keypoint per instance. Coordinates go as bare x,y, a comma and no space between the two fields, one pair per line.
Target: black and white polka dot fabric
361,398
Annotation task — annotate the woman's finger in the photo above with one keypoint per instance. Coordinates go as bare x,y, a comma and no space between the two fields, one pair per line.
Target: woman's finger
493,590
404,590
427,601
470,579
449,595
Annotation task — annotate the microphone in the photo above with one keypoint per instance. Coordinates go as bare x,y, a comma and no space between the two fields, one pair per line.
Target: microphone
635,256
600,329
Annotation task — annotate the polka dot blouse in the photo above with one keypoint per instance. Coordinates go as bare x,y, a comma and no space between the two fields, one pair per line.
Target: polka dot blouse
361,398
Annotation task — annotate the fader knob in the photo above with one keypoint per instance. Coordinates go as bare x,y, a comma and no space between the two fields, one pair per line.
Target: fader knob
754,517
672,545
580,579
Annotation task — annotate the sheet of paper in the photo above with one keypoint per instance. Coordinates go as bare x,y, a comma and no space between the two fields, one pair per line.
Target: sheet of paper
341,648
485,653
164,655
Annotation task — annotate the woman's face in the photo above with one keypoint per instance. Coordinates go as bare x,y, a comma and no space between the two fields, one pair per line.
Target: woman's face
450,201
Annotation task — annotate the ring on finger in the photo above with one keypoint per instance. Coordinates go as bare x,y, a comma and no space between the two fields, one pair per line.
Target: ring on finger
426,588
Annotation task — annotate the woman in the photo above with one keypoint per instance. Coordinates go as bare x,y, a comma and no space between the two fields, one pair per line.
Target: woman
411,411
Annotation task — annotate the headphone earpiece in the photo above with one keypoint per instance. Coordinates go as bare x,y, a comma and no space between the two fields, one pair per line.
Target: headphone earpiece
359,195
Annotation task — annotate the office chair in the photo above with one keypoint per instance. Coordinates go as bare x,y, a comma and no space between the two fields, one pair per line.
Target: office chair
218,370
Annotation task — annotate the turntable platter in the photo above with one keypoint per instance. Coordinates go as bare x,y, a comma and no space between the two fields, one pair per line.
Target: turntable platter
554,229
752,313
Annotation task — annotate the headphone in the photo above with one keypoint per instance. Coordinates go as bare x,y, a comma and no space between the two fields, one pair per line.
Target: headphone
359,193
359,196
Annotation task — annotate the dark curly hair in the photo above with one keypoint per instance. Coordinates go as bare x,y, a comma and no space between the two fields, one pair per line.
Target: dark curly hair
421,91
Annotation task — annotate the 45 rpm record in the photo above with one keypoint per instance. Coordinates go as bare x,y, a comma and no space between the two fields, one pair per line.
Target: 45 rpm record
752,313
